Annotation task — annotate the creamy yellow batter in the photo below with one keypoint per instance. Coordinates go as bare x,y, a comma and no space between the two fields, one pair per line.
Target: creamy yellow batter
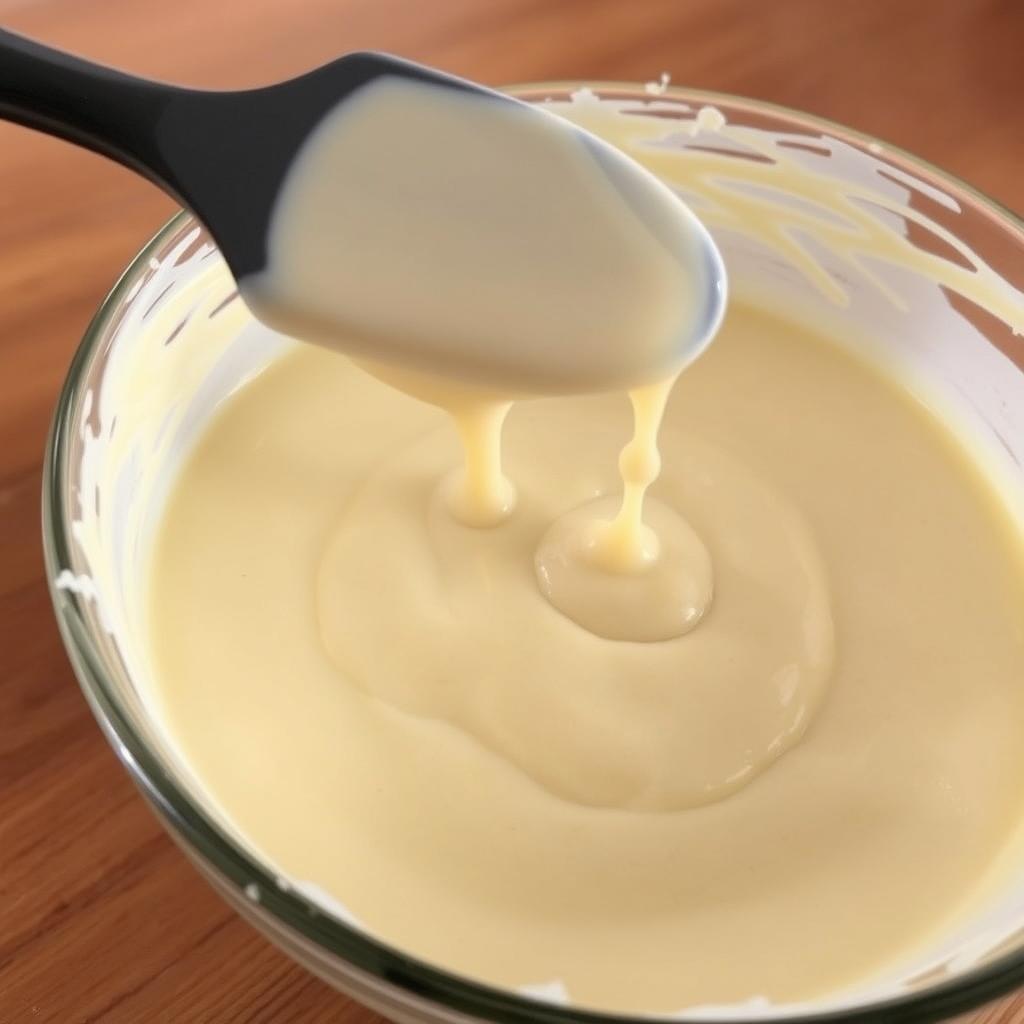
383,702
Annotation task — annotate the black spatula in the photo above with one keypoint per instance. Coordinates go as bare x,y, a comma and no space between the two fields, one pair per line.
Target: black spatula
227,155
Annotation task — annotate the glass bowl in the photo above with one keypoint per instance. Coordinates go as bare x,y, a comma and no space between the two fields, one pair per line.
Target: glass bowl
961,326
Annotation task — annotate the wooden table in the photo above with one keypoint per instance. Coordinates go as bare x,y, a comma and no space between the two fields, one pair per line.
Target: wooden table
101,919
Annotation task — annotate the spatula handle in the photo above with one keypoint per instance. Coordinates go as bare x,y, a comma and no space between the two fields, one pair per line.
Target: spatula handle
93,106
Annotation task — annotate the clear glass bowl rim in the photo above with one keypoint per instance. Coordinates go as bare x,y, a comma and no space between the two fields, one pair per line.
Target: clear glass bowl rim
189,824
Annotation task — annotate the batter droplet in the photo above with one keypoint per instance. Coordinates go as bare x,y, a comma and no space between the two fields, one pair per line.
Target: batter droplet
664,595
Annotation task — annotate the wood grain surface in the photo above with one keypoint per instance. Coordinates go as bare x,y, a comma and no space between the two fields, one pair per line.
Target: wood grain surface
101,919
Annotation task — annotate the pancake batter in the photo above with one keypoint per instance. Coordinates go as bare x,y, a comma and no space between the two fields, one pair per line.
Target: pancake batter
382,700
